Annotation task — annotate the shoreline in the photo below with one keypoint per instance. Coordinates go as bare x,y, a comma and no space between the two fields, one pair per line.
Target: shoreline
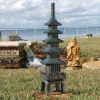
28,42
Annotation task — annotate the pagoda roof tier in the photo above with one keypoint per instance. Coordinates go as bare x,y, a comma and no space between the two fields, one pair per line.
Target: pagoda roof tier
53,31
51,50
52,61
53,40
53,22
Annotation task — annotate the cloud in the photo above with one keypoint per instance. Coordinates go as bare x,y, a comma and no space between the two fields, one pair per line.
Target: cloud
33,13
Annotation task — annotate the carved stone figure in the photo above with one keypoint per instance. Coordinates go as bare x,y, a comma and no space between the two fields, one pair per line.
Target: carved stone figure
73,53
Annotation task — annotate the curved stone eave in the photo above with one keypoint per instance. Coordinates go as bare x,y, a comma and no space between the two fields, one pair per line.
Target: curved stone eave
53,22
52,50
54,31
52,40
50,61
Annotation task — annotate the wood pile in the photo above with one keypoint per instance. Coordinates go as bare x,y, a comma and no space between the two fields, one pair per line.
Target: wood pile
37,48
12,56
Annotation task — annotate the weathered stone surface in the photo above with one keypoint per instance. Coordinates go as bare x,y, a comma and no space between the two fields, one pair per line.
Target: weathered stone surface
99,59
91,65
86,59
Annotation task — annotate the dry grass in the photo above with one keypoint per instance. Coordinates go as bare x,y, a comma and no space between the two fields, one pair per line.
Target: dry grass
20,84
88,47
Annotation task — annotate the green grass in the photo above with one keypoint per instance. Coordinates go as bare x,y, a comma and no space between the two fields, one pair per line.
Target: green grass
20,84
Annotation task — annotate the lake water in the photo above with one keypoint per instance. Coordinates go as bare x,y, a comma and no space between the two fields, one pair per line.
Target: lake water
38,34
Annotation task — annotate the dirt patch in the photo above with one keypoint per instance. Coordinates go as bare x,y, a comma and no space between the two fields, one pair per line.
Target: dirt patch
54,96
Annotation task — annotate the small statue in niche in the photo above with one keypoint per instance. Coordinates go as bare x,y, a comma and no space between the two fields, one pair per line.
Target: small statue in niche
73,53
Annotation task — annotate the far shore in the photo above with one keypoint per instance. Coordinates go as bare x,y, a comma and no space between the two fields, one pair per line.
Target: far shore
29,41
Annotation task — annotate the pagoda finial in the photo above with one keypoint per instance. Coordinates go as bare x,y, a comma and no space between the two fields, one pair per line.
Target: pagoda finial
52,10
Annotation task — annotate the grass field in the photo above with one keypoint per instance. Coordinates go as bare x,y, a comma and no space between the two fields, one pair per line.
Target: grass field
20,84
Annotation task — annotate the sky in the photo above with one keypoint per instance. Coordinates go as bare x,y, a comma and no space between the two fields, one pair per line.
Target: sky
34,13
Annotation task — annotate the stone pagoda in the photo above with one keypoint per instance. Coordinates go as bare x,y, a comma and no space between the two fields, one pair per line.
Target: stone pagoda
51,73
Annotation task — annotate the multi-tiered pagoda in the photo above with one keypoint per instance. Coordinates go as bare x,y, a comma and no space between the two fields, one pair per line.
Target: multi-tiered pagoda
52,73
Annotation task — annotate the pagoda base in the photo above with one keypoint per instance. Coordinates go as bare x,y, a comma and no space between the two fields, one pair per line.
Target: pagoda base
46,86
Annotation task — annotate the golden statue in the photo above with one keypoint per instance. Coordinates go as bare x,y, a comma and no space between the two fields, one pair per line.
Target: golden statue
73,53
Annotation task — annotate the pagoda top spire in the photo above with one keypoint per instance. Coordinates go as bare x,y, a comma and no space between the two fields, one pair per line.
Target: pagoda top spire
52,10
52,21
